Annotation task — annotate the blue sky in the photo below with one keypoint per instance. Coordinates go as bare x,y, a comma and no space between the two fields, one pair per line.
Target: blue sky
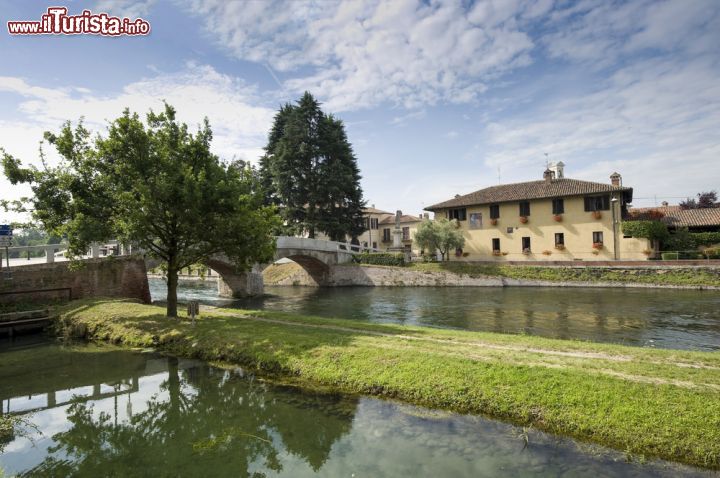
439,98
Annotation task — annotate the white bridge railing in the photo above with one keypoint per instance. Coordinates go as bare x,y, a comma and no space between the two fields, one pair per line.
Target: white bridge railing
56,252
290,242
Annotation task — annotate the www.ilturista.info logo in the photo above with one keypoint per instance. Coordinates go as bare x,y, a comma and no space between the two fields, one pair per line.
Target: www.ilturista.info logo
57,22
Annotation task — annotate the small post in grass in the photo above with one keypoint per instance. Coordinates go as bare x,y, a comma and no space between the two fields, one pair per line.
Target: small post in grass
193,309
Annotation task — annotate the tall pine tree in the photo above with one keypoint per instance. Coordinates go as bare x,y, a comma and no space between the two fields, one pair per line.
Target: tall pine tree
310,171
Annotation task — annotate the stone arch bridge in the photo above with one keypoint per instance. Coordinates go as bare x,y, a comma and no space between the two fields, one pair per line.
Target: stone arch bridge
316,256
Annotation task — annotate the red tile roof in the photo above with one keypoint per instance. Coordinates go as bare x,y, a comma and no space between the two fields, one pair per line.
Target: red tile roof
403,219
372,210
530,190
676,217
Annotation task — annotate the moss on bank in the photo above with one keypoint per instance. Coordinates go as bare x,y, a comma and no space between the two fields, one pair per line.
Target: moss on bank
662,403
676,276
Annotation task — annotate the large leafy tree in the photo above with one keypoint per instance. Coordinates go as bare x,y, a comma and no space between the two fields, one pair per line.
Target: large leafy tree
310,171
154,184
442,235
705,200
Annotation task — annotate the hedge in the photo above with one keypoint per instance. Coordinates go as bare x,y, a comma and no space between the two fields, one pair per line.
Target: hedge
653,230
380,258
706,238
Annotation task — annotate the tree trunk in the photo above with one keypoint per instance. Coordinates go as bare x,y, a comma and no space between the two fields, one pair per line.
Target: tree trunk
172,278
311,232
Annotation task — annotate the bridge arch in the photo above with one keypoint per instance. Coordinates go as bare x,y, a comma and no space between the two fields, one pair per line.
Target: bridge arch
315,256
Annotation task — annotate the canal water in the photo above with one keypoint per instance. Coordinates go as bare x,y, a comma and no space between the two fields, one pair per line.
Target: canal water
100,411
664,318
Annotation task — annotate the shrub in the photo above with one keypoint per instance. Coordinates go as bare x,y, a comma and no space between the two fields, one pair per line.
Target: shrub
712,253
380,258
652,230
680,240
670,256
706,238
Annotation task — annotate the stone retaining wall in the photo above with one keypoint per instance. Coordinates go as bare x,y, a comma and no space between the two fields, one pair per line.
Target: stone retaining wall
105,277
398,277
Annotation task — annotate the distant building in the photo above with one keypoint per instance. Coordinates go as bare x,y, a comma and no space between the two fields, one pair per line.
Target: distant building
554,219
696,220
379,226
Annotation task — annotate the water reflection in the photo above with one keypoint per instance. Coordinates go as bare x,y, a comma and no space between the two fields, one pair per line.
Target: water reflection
681,319
168,417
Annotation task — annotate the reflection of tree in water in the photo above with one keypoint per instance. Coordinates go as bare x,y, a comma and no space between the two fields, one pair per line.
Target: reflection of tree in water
213,422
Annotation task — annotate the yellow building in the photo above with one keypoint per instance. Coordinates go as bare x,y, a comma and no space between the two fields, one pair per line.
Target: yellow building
379,226
408,226
554,219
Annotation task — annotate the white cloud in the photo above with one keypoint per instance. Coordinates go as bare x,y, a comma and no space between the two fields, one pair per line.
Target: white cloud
125,8
404,119
361,54
600,32
239,125
653,121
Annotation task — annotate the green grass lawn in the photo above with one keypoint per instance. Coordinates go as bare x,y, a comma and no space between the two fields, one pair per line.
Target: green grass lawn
648,402
679,276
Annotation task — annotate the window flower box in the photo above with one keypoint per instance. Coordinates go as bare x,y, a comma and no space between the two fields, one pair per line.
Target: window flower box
527,252
597,214
558,217
596,252
647,252
504,253
493,222
497,253
560,247
524,219
547,252
597,245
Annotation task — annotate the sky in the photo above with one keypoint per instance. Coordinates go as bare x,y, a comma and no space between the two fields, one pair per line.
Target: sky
438,98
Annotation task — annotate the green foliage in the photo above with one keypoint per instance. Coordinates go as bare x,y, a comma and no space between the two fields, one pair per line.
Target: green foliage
310,172
653,402
31,236
154,184
682,277
380,258
712,253
705,238
670,256
681,240
440,234
652,230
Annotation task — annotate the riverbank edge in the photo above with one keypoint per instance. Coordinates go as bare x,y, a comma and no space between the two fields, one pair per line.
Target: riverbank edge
475,275
647,419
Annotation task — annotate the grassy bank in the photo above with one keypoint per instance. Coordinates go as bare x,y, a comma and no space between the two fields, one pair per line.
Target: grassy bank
679,276
644,401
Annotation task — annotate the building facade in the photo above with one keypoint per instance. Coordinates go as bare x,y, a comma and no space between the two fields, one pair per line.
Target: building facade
408,226
379,227
554,219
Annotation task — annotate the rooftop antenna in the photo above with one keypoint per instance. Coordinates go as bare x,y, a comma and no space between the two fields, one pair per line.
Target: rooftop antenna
499,175
547,161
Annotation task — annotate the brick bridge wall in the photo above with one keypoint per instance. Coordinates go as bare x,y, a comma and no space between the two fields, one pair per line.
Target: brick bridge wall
106,277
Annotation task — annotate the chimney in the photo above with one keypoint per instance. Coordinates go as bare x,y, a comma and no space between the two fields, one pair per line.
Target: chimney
457,195
559,169
665,204
548,176
616,179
